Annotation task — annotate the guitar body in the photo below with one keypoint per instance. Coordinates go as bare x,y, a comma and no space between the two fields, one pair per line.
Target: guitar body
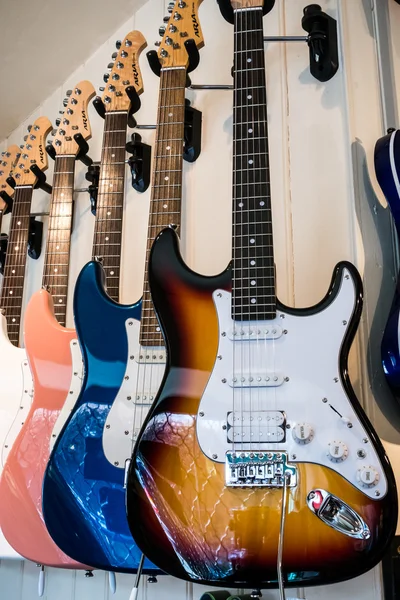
15,400
181,511
81,487
48,350
387,168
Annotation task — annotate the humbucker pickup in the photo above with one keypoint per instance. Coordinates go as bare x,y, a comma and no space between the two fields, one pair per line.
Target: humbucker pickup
259,469
260,426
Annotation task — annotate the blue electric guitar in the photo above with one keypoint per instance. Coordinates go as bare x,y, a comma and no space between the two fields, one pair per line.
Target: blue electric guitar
122,346
387,168
83,494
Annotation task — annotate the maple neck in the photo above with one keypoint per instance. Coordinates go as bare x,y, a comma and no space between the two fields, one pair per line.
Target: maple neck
253,282
15,263
165,204
110,201
56,269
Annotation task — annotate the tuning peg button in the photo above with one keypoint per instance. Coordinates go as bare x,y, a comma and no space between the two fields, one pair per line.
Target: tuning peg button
58,122
171,7
29,127
68,93
114,55
106,77
110,65
118,44
162,30
166,19
65,102
25,138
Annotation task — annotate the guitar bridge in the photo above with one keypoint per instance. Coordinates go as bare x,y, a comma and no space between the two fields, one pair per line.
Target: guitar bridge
259,469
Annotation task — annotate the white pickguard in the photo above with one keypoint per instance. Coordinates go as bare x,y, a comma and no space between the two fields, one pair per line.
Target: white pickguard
16,391
305,361
144,372
73,392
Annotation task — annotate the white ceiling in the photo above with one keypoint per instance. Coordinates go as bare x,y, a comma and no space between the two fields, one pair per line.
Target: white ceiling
43,41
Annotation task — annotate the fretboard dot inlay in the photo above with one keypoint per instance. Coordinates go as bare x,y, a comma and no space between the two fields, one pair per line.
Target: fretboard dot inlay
262,203
252,240
253,262
108,213
111,272
158,329
112,155
251,162
13,320
13,271
253,300
55,270
60,301
240,204
250,130
166,178
249,60
19,223
11,292
168,148
107,238
165,205
16,248
170,114
249,97
57,247
253,282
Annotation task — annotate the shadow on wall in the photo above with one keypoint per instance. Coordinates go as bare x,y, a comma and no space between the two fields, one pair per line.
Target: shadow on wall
379,282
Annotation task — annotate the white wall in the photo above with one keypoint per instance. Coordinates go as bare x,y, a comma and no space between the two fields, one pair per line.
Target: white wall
327,206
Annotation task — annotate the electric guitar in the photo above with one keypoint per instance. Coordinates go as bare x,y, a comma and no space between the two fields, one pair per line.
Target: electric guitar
8,160
80,485
387,161
15,375
256,465
49,356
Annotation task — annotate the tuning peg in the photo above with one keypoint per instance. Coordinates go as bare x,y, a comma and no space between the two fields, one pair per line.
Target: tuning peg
162,30
29,127
110,65
171,7
58,122
157,43
25,138
166,19
106,77
118,44
22,146
65,102
53,131
114,55
101,89
68,93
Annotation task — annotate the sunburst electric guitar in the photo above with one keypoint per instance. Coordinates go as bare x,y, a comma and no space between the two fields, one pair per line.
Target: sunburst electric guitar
49,357
80,484
15,376
256,460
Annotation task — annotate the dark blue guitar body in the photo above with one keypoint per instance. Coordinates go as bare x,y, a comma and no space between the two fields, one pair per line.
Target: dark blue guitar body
83,493
387,168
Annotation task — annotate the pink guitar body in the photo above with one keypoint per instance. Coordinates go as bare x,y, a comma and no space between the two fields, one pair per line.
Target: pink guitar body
48,347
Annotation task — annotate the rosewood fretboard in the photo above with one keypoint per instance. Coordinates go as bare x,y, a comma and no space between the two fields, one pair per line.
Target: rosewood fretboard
14,270
110,200
56,270
253,295
165,205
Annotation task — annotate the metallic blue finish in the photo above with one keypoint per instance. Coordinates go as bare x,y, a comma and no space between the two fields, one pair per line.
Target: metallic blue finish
385,173
83,494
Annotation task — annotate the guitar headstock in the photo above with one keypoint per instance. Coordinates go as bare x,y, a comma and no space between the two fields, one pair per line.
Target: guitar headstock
74,120
183,24
33,152
8,159
125,72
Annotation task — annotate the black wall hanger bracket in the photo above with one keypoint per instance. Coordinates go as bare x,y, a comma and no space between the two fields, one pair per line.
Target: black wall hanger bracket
322,42
134,106
9,202
193,54
41,180
82,153
139,162
3,251
35,237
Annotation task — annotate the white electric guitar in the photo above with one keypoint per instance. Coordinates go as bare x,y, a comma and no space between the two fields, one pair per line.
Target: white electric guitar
15,377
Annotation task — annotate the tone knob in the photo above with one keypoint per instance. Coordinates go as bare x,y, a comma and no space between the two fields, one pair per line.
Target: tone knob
337,451
367,476
303,433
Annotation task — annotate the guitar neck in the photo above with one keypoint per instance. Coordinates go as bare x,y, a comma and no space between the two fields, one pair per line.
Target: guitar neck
14,270
165,205
110,200
56,270
253,292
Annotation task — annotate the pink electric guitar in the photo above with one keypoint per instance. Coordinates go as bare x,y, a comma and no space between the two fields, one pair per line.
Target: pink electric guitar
21,516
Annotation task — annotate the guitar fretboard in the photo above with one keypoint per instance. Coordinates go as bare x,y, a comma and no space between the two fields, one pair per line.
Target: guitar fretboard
56,270
110,200
165,205
253,294
14,270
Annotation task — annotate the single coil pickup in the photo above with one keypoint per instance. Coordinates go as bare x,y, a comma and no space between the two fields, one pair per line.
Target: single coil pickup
151,356
258,469
255,417
255,435
255,332
143,399
256,380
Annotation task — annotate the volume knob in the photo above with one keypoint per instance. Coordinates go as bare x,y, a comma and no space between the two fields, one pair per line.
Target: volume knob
337,451
303,433
367,476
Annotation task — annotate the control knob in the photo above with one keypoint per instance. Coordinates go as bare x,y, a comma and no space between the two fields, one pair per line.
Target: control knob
303,433
367,476
337,451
